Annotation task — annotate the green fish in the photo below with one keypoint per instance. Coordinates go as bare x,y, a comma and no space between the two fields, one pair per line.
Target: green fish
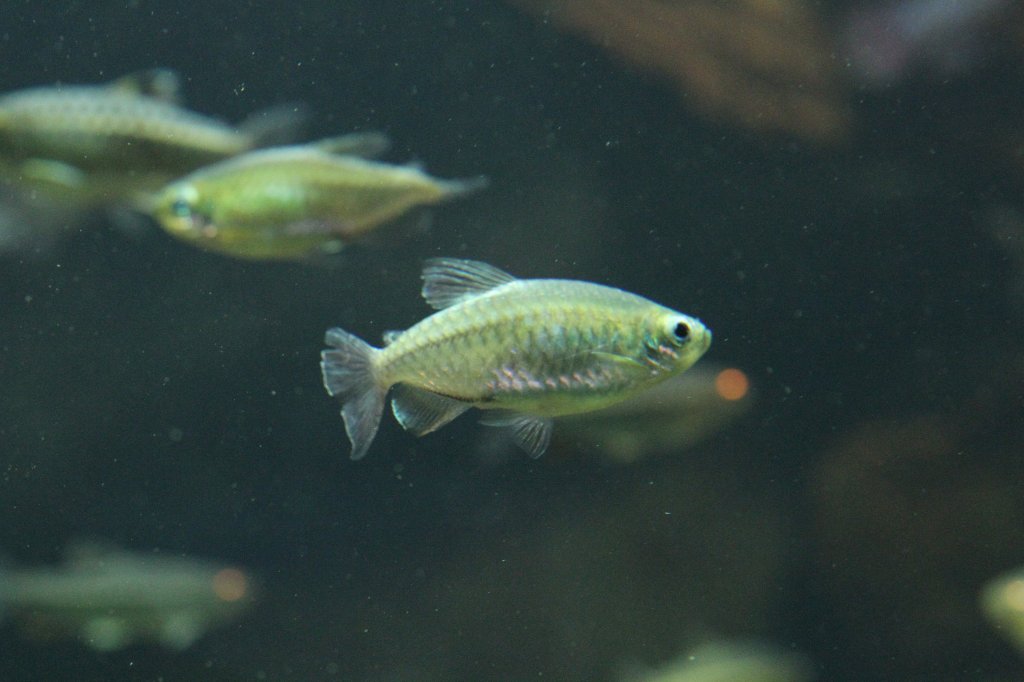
296,201
110,598
106,144
1002,602
532,349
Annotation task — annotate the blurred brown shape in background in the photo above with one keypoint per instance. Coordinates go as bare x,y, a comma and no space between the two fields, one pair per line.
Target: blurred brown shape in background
913,517
766,65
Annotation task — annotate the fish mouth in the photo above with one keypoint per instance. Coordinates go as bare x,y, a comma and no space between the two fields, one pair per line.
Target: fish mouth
703,340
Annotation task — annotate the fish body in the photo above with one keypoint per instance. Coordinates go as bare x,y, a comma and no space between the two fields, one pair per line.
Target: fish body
111,598
728,661
108,142
1002,602
290,202
530,349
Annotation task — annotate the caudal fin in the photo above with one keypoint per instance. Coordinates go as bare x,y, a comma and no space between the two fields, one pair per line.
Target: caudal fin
453,189
347,368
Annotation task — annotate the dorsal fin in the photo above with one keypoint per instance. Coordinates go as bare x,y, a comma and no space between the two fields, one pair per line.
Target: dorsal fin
161,84
447,281
368,145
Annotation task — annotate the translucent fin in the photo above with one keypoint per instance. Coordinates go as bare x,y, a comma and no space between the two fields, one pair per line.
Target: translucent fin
623,362
530,433
365,145
447,281
91,554
52,175
458,188
179,631
161,84
106,633
421,412
277,125
349,375
390,336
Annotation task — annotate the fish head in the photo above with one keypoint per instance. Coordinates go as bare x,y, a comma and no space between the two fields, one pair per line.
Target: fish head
183,211
674,341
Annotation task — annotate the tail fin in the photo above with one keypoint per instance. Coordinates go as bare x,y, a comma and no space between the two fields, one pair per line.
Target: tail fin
349,375
454,189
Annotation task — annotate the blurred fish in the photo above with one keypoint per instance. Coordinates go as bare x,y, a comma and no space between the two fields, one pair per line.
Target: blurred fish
110,598
535,349
1002,602
105,144
291,202
733,662
671,417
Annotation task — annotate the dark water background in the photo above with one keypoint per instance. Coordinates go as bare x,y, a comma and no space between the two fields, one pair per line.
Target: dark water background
158,396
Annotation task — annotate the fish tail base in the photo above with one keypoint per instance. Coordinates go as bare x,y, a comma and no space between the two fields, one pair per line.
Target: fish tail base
349,375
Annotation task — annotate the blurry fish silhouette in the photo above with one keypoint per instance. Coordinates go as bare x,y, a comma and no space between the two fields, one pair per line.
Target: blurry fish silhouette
1002,602
105,144
730,661
110,598
296,201
531,349
673,416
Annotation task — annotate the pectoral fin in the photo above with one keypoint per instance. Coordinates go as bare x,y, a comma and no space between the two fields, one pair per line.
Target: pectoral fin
622,361
52,174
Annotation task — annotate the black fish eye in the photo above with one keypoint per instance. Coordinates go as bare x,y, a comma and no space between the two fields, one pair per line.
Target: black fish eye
181,208
681,331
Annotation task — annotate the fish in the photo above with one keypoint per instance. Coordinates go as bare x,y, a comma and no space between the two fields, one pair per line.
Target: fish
675,415
528,350
732,661
290,202
116,142
110,598
1002,603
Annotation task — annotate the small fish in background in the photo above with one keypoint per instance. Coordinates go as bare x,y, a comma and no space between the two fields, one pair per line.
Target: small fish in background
100,145
288,203
732,661
110,598
674,416
1002,602
529,349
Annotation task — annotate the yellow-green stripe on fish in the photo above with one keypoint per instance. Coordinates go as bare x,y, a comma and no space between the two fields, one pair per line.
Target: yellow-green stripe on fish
295,201
529,349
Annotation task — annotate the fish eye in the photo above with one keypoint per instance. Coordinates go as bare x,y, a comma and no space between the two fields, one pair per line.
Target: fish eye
181,208
681,332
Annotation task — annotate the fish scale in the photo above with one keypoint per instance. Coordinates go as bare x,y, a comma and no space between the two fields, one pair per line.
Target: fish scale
534,349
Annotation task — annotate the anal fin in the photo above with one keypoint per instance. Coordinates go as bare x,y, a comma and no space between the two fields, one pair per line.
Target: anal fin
421,412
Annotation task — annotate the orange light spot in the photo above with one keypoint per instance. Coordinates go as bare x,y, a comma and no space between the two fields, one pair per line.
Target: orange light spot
230,584
732,384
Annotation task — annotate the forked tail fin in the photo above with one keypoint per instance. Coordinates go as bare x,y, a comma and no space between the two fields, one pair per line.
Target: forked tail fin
349,376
